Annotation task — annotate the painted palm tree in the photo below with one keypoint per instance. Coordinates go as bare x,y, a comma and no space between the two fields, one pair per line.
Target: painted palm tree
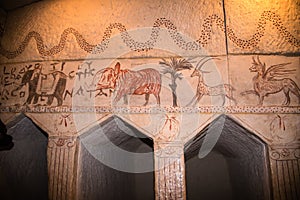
172,67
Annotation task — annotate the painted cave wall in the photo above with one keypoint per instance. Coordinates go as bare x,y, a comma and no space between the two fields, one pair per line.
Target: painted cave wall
167,69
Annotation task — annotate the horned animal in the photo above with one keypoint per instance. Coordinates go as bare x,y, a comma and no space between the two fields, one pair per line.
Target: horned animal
144,81
104,79
128,82
270,81
223,90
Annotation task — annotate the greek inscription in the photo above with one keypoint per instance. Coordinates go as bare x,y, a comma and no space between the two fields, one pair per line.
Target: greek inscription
39,83
85,72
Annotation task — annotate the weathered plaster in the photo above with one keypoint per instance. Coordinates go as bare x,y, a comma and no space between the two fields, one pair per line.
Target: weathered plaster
64,47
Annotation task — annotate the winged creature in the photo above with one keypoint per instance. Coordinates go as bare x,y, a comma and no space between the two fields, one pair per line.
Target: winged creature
272,80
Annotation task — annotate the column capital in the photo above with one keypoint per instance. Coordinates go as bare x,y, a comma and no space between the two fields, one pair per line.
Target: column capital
284,152
62,141
172,149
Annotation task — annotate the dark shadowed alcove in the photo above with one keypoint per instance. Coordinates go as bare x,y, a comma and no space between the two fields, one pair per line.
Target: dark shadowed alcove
23,169
236,168
115,141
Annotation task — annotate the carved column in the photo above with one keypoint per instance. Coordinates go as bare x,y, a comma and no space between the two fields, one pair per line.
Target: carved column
285,166
62,167
169,171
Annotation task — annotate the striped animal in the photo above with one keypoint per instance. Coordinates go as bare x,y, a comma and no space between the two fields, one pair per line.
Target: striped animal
104,79
145,81
127,82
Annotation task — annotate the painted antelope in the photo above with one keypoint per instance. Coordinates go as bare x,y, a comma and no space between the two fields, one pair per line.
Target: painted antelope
223,90
127,82
270,81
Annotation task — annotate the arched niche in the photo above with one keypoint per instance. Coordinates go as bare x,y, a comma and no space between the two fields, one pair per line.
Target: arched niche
237,167
23,169
100,178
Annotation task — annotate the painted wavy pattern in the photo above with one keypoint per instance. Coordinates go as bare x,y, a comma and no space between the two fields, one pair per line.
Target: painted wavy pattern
203,40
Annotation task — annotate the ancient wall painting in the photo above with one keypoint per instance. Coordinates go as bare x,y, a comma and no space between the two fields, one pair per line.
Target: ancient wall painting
173,67
44,83
58,123
266,80
223,90
65,120
167,82
87,87
263,23
116,84
168,129
161,23
272,80
10,78
285,128
104,81
142,82
41,86
274,129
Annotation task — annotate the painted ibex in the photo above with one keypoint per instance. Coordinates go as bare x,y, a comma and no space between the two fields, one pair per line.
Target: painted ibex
270,81
223,90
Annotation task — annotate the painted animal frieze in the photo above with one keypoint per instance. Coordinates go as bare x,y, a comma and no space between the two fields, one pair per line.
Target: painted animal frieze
145,81
104,79
173,67
124,82
272,80
171,81
203,89
160,81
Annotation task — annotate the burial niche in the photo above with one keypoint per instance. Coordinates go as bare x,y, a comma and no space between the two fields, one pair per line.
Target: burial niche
116,162
23,169
236,167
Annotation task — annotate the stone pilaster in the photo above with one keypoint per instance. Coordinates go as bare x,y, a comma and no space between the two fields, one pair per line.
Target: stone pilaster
284,161
169,171
62,167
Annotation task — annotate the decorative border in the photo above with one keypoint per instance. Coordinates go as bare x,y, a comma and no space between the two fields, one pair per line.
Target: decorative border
62,142
149,44
285,153
156,109
168,149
